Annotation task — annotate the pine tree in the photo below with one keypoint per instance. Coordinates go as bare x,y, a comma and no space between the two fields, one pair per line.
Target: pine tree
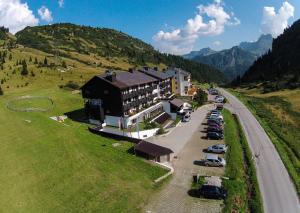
1,91
64,65
10,57
24,68
35,61
30,59
45,61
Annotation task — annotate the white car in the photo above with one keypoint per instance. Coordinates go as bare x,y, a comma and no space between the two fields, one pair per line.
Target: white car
186,118
214,116
214,160
218,148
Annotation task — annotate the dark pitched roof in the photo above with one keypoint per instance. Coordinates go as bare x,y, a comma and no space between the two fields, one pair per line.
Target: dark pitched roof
177,102
157,74
128,79
152,149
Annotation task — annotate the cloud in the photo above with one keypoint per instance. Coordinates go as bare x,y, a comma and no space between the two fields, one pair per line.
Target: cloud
216,43
61,3
275,23
16,15
45,14
182,40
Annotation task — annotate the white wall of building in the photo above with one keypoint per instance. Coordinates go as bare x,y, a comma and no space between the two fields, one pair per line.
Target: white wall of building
140,135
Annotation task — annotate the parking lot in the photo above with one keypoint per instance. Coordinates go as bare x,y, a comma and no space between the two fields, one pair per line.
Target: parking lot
174,197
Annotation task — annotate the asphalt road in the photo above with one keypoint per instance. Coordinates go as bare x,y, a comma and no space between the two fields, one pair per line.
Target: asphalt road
278,192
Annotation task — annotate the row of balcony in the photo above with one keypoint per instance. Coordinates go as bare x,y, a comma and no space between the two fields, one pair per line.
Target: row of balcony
136,103
139,92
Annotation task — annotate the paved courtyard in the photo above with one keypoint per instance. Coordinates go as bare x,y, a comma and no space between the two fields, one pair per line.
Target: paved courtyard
187,143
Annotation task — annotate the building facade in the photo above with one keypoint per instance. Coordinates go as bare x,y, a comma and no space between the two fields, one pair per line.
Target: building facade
164,81
122,99
181,81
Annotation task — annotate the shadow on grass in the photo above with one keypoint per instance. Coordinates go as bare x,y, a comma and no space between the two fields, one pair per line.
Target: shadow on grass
78,116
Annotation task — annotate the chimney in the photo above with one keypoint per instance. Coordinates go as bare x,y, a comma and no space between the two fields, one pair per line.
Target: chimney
111,76
155,68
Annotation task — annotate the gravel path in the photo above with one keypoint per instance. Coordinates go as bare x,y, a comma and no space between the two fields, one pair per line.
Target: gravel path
187,143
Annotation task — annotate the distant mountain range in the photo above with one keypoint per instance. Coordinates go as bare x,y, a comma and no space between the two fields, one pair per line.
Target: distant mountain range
281,66
235,61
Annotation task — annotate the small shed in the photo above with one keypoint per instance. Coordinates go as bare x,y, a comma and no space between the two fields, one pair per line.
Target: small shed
152,151
176,105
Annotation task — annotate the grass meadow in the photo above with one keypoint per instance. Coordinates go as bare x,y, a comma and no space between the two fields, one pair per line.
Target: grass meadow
47,166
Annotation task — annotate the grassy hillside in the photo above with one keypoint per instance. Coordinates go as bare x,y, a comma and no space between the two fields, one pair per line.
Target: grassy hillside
90,45
52,167
279,114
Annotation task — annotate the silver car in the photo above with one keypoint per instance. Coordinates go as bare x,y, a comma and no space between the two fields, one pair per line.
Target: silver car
218,148
214,160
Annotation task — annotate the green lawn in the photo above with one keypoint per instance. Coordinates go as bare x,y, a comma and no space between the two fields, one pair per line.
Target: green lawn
279,116
47,166
242,186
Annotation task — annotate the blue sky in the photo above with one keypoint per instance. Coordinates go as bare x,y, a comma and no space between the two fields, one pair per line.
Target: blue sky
145,18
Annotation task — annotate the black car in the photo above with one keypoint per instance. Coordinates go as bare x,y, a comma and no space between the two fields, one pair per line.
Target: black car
214,129
214,135
212,192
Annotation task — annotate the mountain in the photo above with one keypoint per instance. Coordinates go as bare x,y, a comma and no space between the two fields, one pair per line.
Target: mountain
84,44
260,47
203,52
232,62
235,61
281,65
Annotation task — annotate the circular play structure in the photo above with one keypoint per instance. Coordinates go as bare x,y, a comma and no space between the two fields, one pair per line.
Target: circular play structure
30,104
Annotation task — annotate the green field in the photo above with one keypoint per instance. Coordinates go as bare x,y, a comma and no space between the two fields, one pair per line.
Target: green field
279,114
47,166
242,186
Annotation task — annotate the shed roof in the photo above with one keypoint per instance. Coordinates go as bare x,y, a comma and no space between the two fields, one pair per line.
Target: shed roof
152,149
177,102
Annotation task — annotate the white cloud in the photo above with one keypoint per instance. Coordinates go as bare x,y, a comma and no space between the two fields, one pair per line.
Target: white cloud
216,43
182,40
275,23
61,3
45,14
16,15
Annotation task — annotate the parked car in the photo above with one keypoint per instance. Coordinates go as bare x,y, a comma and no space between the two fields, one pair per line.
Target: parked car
186,118
214,136
216,121
220,107
214,129
215,125
218,149
212,192
214,160
216,117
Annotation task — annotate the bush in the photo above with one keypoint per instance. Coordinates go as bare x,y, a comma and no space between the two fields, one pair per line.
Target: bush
201,97
161,131
71,85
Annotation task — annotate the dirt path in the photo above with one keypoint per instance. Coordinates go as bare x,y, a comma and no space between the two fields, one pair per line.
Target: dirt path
174,196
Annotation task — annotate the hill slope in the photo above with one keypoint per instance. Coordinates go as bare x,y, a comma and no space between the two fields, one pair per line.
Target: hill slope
259,47
282,64
86,44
